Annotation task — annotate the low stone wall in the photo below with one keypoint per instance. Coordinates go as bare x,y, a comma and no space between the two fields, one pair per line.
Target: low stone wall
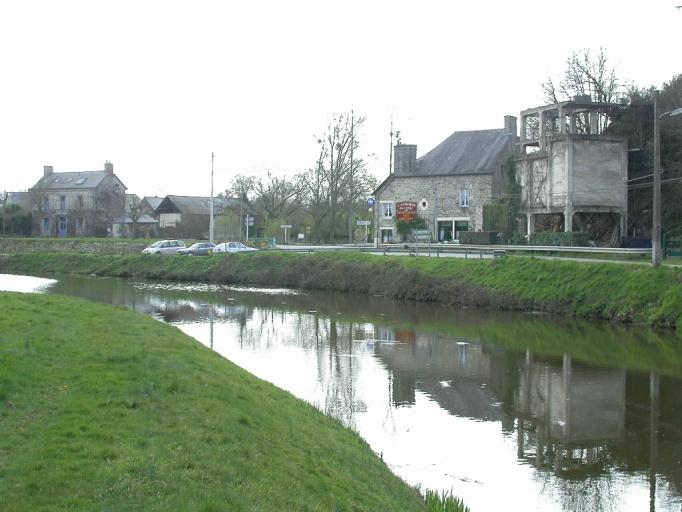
18,245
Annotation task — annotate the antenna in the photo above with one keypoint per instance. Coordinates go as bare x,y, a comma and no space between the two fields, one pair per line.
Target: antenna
390,153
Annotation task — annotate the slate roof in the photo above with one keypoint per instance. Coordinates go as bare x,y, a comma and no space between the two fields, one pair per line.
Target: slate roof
23,199
144,219
153,201
472,152
70,180
191,205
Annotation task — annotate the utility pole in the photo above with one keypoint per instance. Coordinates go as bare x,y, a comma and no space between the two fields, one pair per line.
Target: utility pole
656,233
656,249
352,189
210,227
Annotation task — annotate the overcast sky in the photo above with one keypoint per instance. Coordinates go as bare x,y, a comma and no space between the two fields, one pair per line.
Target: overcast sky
155,87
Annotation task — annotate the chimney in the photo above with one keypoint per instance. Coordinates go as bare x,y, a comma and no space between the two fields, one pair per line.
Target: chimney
47,170
405,158
510,124
109,167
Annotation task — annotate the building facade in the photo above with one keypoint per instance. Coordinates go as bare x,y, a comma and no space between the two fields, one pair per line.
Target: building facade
573,177
76,204
447,186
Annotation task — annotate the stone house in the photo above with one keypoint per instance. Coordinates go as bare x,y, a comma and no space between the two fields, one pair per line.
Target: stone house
189,217
573,177
447,186
137,225
68,204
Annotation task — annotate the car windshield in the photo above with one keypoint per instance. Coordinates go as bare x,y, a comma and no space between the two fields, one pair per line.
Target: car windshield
156,244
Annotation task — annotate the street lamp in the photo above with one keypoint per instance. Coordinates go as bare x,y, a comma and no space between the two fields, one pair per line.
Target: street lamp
656,250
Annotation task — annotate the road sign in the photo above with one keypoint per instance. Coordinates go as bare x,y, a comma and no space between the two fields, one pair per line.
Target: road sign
364,223
370,201
248,220
286,226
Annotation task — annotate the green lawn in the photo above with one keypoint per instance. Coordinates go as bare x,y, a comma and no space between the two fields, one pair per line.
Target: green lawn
102,408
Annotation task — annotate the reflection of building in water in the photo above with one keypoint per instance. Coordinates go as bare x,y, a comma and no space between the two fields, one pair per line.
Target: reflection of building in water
568,413
455,373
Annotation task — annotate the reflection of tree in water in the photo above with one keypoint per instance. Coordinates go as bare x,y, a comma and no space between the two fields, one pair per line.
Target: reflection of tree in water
340,397
593,493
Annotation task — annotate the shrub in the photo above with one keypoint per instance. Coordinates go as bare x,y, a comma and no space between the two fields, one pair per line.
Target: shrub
478,237
563,239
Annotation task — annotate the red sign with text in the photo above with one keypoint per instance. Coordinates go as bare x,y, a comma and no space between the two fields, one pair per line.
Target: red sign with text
406,210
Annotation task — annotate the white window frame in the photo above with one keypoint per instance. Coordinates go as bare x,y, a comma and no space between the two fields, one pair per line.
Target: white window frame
464,197
387,210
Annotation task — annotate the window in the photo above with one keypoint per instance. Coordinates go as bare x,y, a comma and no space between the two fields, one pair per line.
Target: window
46,203
79,225
464,196
62,202
46,225
461,225
387,210
80,201
80,181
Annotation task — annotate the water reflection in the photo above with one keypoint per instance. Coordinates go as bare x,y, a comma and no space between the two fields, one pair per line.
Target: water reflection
504,410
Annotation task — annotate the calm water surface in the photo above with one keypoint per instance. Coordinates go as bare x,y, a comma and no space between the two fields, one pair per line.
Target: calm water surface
510,412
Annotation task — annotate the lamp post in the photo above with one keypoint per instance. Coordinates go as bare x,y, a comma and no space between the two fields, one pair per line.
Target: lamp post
656,249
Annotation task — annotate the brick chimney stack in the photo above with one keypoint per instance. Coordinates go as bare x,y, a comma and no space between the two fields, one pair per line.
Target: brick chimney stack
47,170
109,167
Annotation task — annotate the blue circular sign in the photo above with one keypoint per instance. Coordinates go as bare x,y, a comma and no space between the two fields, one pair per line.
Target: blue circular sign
370,201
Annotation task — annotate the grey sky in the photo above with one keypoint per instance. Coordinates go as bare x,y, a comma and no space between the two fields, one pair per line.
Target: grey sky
156,86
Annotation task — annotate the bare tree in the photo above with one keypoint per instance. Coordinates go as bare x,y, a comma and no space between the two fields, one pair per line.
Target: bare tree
586,75
134,210
39,199
317,192
278,197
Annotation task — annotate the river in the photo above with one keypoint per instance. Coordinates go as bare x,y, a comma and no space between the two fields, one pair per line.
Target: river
507,411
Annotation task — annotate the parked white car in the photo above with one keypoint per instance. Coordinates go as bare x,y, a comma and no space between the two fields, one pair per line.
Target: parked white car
164,247
233,247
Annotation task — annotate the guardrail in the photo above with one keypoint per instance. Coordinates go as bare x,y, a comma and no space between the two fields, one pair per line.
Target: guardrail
466,250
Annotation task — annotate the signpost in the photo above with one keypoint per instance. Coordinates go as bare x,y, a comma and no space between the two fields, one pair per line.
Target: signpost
286,227
248,221
365,223
421,235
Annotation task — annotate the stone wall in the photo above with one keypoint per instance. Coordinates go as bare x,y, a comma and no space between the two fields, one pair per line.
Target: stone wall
18,245
441,192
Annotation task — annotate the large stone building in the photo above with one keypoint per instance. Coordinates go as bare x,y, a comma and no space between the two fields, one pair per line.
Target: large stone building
573,178
447,186
76,203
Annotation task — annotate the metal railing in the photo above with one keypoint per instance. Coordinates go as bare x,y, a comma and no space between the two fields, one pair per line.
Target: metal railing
467,250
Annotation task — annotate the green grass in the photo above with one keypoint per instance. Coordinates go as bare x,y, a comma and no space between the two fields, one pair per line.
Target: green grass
103,408
619,292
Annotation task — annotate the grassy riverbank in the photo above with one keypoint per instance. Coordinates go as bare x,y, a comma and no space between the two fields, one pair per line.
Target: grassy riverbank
102,408
617,292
